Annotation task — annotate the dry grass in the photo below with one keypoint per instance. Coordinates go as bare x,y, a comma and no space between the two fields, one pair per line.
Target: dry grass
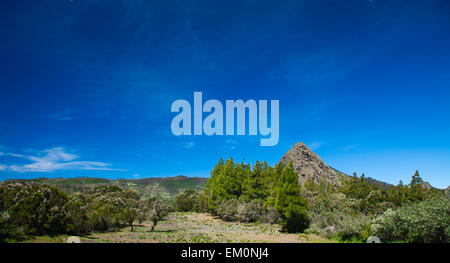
194,228
202,228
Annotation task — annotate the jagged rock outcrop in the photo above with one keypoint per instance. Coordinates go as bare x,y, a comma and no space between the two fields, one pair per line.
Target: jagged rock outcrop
427,185
309,165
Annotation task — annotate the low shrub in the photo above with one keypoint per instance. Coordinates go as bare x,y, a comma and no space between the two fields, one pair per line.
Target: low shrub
425,221
247,212
228,209
352,227
185,201
251,211
270,216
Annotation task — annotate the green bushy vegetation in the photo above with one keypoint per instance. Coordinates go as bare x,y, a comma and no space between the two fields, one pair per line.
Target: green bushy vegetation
357,209
247,211
351,211
191,200
29,209
32,210
424,221
238,192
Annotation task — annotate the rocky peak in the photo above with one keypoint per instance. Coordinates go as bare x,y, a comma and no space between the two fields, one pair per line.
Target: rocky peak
308,164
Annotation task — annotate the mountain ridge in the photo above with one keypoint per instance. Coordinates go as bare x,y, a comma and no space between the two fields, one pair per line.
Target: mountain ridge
166,187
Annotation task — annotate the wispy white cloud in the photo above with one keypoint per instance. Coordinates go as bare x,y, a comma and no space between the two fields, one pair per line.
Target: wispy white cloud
231,143
348,148
2,167
17,155
64,115
55,159
2,150
314,146
189,144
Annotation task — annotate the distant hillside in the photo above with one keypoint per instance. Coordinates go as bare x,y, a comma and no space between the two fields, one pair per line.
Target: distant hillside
378,183
166,187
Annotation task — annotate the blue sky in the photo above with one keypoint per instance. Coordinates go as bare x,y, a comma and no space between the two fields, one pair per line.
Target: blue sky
86,86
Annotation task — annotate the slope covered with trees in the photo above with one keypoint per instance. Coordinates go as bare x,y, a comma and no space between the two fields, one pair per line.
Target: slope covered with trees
166,187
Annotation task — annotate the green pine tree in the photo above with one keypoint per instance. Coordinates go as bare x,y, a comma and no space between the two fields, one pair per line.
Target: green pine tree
256,185
225,182
289,203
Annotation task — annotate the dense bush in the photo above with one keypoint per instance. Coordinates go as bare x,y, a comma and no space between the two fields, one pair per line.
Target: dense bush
270,215
346,211
28,209
191,200
228,209
352,228
332,214
344,227
201,203
331,203
250,211
77,206
247,212
185,201
8,230
425,221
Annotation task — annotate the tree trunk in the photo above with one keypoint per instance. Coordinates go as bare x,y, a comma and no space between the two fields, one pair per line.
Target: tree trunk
153,226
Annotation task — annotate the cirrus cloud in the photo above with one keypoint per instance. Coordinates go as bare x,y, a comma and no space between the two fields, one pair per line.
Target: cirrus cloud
189,144
54,159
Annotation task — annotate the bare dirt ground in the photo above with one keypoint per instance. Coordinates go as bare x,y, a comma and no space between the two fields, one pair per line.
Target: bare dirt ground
202,228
